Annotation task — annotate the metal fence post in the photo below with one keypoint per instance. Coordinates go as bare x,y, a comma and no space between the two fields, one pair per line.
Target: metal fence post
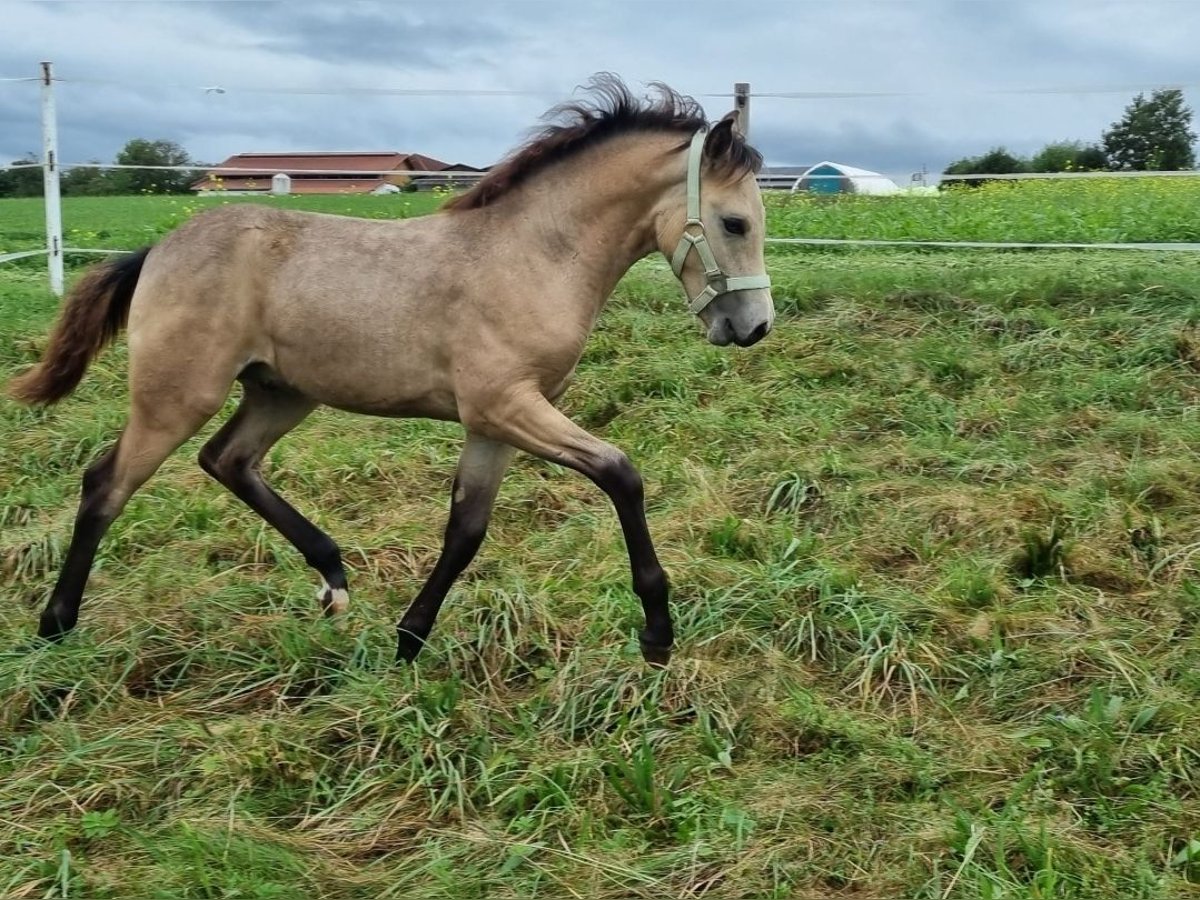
50,174
741,103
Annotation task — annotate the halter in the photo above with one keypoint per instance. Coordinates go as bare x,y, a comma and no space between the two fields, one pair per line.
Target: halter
716,281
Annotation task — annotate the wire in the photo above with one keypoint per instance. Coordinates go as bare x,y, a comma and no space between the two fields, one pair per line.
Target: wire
816,242
1068,90
20,254
266,171
1070,176
968,92
324,91
982,245
767,176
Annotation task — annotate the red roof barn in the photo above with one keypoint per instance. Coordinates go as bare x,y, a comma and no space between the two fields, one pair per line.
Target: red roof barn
325,173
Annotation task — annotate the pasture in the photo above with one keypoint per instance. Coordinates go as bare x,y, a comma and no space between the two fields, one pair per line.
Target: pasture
935,546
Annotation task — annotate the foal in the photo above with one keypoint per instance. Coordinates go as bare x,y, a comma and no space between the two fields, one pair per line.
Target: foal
477,314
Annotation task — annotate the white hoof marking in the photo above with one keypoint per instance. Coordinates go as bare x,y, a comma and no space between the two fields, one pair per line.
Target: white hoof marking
335,600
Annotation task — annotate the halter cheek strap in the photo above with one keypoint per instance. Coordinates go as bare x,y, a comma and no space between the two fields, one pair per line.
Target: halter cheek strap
693,238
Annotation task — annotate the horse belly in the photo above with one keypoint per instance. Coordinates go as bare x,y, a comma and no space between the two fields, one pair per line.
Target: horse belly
425,407
348,384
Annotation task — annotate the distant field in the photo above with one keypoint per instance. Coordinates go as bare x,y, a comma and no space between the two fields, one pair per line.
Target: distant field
130,222
936,551
1103,211
1062,211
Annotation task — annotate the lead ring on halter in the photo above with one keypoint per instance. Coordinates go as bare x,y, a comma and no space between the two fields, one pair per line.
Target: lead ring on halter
716,281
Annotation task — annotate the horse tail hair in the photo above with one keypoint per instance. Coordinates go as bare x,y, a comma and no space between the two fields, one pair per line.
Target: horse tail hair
95,311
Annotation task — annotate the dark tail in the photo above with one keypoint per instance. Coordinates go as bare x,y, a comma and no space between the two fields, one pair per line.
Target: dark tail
95,311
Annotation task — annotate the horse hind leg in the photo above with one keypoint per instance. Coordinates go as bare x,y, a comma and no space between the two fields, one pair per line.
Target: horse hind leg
476,483
267,412
150,436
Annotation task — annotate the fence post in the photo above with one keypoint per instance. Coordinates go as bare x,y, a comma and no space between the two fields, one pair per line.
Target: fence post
50,185
741,103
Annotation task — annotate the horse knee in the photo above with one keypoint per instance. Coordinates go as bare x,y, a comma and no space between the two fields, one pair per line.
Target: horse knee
651,583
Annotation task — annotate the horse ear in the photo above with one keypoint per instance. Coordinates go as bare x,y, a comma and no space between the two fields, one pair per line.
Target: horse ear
721,137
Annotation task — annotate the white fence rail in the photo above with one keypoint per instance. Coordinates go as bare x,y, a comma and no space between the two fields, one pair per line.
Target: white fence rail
52,167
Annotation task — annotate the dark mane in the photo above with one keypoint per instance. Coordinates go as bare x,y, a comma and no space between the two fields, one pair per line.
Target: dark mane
610,110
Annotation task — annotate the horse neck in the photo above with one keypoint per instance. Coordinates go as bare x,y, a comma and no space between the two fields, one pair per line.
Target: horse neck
593,216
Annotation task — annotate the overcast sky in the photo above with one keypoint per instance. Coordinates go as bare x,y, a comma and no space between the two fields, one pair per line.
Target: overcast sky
141,69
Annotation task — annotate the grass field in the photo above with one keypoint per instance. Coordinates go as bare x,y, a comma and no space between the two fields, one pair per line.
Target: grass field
935,546
1051,211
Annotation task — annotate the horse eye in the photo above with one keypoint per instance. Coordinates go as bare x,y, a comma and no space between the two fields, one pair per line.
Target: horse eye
734,225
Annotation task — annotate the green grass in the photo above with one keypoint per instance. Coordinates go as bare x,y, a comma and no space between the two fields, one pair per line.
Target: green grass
125,223
934,546
1105,210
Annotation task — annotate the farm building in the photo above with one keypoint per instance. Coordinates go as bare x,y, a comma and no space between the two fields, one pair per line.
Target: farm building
780,178
330,173
837,178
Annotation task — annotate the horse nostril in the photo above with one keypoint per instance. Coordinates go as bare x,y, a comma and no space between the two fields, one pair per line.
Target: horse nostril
757,334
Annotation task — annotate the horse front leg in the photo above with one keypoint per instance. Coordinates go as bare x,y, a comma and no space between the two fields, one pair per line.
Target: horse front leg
528,421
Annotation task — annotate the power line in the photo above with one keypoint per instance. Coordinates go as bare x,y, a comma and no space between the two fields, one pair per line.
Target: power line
347,90
323,91
968,92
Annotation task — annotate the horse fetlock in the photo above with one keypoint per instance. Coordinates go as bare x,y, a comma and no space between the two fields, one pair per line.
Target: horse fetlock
334,600
325,556
652,585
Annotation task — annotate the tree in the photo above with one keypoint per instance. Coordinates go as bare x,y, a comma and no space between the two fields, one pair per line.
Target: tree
23,182
1153,135
1068,156
997,161
87,182
1091,159
141,152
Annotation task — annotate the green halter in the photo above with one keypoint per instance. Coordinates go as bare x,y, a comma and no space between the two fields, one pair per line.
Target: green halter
717,282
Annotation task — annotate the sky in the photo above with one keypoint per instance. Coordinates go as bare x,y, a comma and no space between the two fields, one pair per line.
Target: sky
146,69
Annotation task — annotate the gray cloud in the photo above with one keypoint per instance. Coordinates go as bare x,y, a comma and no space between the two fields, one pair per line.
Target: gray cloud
391,34
159,55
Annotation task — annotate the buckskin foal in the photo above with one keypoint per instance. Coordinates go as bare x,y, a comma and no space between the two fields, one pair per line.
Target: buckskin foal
477,314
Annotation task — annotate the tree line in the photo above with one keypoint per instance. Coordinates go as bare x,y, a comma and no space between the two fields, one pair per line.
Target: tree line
1154,134
27,182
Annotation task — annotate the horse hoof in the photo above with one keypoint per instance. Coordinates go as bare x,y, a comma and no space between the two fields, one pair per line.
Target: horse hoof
52,631
656,655
408,645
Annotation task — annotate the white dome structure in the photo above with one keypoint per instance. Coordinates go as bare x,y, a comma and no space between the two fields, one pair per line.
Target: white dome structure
836,178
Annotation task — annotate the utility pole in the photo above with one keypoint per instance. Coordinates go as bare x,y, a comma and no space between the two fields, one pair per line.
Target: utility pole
741,103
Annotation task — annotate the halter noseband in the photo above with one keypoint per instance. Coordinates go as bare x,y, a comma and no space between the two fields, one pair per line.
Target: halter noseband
716,281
